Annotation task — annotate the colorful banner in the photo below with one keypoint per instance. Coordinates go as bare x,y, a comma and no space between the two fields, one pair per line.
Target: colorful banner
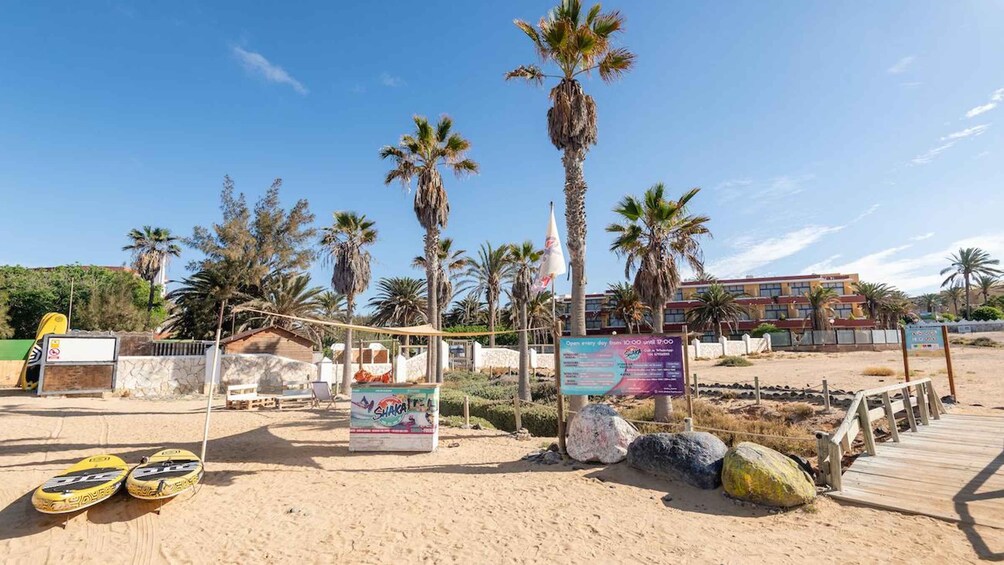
629,364
394,410
924,338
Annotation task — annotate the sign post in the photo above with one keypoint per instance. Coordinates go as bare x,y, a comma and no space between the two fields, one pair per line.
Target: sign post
557,382
948,360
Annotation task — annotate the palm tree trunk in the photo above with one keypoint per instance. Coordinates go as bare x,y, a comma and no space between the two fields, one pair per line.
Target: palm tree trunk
347,352
575,226
969,308
212,379
663,404
524,355
433,367
149,305
491,319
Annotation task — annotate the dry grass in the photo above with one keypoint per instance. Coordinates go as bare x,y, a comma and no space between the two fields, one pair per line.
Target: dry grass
875,371
733,361
797,411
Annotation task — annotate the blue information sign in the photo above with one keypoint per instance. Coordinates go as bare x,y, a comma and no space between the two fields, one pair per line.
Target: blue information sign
924,338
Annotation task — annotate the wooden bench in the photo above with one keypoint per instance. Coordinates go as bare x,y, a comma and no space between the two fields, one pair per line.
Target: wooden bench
246,397
295,395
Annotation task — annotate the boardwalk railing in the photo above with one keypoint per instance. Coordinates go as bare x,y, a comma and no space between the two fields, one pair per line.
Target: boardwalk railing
832,447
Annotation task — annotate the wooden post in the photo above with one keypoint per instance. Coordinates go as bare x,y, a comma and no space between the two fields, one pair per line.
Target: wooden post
908,405
467,412
866,426
688,424
557,383
822,452
826,396
686,371
697,387
922,405
756,389
835,455
515,406
932,400
948,362
906,357
890,416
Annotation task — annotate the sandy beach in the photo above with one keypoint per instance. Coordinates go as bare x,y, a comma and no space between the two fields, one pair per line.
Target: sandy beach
283,487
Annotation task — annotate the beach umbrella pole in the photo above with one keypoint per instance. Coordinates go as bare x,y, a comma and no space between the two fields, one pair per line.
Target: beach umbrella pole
212,382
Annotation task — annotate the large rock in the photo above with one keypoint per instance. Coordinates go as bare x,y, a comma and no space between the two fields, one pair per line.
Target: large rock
692,457
598,433
761,475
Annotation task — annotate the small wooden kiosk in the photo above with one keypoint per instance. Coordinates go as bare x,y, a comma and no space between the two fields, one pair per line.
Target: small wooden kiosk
394,417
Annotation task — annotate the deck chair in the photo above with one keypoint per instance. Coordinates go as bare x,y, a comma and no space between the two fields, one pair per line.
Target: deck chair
322,393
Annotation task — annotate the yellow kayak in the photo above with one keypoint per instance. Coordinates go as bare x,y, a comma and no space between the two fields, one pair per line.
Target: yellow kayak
165,474
84,484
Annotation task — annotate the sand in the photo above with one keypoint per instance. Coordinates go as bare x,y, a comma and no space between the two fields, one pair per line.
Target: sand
282,487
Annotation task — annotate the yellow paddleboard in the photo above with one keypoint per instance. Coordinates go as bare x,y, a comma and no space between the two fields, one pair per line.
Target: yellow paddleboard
84,484
52,323
165,474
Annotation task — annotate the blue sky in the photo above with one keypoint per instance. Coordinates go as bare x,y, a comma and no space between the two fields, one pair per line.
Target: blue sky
829,136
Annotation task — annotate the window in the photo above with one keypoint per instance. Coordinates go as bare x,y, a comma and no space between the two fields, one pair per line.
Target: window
701,290
772,289
744,316
799,288
844,312
709,337
678,295
615,321
735,289
594,323
594,304
775,311
804,311
675,316
837,286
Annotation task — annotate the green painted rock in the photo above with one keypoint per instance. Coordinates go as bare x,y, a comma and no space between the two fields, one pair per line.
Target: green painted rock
761,475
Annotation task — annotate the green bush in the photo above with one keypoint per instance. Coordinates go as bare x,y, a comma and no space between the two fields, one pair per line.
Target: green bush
948,316
541,421
763,329
986,314
458,422
733,361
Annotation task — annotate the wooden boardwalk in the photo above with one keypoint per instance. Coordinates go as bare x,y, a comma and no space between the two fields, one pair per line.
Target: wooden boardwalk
952,469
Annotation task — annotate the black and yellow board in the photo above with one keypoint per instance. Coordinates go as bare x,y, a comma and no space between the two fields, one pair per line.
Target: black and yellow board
165,474
83,484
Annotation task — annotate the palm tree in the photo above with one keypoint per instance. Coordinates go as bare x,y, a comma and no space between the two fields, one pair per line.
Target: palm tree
330,305
467,311
346,241
986,285
969,262
420,155
399,301
540,316
576,42
716,306
523,259
930,302
286,294
626,305
484,276
655,234
896,307
874,294
150,247
953,295
451,262
821,300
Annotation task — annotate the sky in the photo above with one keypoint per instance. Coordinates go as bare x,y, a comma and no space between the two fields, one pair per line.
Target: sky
826,136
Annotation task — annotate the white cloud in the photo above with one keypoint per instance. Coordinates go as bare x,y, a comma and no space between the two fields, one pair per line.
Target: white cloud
390,80
922,236
871,210
910,274
930,154
901,66
968,132
753,252
762,193
256,63
996,98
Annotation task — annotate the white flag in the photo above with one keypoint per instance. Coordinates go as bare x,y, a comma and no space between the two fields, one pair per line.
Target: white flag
553,261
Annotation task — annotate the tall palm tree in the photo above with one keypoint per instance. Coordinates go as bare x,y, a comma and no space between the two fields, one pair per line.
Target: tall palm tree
484,277
930,302
656,233
874,294
540,316
347,240
451,262
150,247
467,311
575,42
986,285
420,155
286,294
953,295
716,306
626,305
821,300
523,259
399,301
969,262
896,307
330,304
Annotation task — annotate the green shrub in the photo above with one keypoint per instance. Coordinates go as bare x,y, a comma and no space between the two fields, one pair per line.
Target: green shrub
948,317
733,361
763,329
458,422
541,421
986,314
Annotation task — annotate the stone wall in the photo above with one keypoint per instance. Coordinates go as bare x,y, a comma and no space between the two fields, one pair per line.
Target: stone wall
269,372
160,376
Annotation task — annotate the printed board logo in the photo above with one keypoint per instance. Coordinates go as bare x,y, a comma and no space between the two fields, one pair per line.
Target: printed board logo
390,411
632,353
53,354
